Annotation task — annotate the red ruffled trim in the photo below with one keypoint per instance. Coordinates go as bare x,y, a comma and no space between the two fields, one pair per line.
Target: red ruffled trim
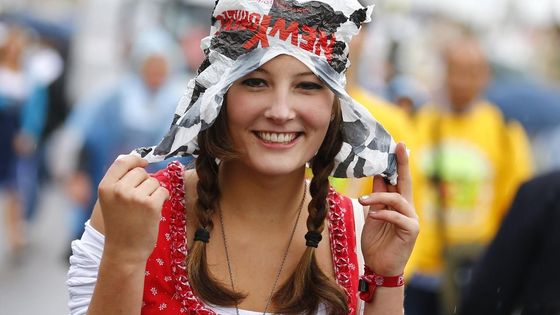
341,231
190,303
343,246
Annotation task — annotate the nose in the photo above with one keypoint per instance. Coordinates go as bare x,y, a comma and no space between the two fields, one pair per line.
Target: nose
280,108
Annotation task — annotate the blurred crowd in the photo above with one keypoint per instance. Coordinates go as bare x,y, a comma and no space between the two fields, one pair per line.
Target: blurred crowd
475,98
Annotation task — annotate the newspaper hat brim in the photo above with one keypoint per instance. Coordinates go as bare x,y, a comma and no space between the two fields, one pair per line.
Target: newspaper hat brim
247,34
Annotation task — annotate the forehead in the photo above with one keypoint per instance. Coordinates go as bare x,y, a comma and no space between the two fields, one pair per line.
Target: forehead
285,64
467,54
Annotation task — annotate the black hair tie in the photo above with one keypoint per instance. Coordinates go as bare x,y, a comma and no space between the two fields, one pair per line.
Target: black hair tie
202,235
313,238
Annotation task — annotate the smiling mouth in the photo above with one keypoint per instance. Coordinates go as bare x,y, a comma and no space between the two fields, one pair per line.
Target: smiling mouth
277,137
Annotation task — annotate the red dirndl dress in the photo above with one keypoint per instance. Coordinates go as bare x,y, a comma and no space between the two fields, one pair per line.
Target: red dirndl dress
166,286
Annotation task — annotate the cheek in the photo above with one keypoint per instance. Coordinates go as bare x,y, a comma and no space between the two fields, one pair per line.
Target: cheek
242,111
237,107
318,114
319,121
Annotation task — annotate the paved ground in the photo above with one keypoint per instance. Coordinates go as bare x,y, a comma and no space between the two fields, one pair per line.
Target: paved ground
35,284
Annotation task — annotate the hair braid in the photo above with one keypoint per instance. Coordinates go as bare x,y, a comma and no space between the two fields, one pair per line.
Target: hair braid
308,286
204,284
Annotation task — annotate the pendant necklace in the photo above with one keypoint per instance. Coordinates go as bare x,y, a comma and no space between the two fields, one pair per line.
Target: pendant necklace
269,300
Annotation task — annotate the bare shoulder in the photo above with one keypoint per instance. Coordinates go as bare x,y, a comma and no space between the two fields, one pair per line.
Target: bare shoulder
190,180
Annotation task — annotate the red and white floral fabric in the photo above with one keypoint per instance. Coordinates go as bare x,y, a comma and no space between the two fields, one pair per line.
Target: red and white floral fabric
166,287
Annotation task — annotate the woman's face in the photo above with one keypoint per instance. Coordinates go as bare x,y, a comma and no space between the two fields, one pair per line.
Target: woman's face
278,116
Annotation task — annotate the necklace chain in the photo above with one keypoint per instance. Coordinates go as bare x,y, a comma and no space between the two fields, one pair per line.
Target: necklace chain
269,300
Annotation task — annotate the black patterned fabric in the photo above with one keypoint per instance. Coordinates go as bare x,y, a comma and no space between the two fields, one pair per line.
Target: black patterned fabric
247,34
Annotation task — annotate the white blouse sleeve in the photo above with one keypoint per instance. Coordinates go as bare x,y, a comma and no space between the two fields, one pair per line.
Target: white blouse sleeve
84,265
359,221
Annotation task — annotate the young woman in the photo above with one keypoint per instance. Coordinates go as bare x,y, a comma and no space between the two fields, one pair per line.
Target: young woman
229,236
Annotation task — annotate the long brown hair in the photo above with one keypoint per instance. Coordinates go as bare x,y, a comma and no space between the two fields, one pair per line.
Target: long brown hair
308,286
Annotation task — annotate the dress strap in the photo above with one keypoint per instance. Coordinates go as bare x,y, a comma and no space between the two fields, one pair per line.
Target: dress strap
166,286
342,233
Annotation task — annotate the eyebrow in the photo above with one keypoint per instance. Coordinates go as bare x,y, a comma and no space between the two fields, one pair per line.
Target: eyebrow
301,74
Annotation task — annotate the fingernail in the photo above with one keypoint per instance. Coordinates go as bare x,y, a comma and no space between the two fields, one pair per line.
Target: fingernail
372,211
120,157
364,197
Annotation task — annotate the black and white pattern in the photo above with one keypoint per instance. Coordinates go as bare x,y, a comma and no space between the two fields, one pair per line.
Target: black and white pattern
247,34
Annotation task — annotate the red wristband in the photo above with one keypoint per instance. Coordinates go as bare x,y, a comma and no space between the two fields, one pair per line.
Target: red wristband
370,280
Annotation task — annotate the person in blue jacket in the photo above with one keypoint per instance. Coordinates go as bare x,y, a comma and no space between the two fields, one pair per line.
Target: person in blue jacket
122,118
23,101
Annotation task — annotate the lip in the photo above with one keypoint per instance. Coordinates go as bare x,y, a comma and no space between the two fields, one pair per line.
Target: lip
278,145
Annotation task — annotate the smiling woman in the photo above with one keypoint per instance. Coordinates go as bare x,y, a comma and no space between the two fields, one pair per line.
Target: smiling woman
282,99
240,212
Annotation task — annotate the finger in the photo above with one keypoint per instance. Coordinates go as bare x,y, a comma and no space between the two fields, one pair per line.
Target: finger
400,221
394,201
148,186
160,196
404,181
393,188
365,201
379,184
122,165
371,206
134,177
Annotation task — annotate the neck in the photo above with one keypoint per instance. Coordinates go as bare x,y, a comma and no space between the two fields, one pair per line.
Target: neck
260,198
461,107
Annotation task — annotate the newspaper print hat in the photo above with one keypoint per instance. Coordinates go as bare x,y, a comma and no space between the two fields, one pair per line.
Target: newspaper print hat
245,34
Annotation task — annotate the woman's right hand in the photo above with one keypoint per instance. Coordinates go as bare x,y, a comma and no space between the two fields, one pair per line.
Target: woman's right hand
130,201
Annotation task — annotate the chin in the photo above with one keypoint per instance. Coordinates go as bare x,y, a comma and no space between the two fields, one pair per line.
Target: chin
274,167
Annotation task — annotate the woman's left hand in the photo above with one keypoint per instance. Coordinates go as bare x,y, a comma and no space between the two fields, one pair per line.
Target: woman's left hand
391,225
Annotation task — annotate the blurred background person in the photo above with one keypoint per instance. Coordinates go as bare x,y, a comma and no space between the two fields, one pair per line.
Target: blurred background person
406,93
23,104
122,118
475,160
518,274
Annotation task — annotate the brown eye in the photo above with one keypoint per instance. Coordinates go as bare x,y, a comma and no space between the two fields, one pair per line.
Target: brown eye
310,86
254,82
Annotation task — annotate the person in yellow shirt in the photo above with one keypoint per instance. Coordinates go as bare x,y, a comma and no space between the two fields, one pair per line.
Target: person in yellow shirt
475,161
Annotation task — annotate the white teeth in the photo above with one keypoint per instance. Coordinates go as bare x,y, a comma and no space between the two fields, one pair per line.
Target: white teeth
277,137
